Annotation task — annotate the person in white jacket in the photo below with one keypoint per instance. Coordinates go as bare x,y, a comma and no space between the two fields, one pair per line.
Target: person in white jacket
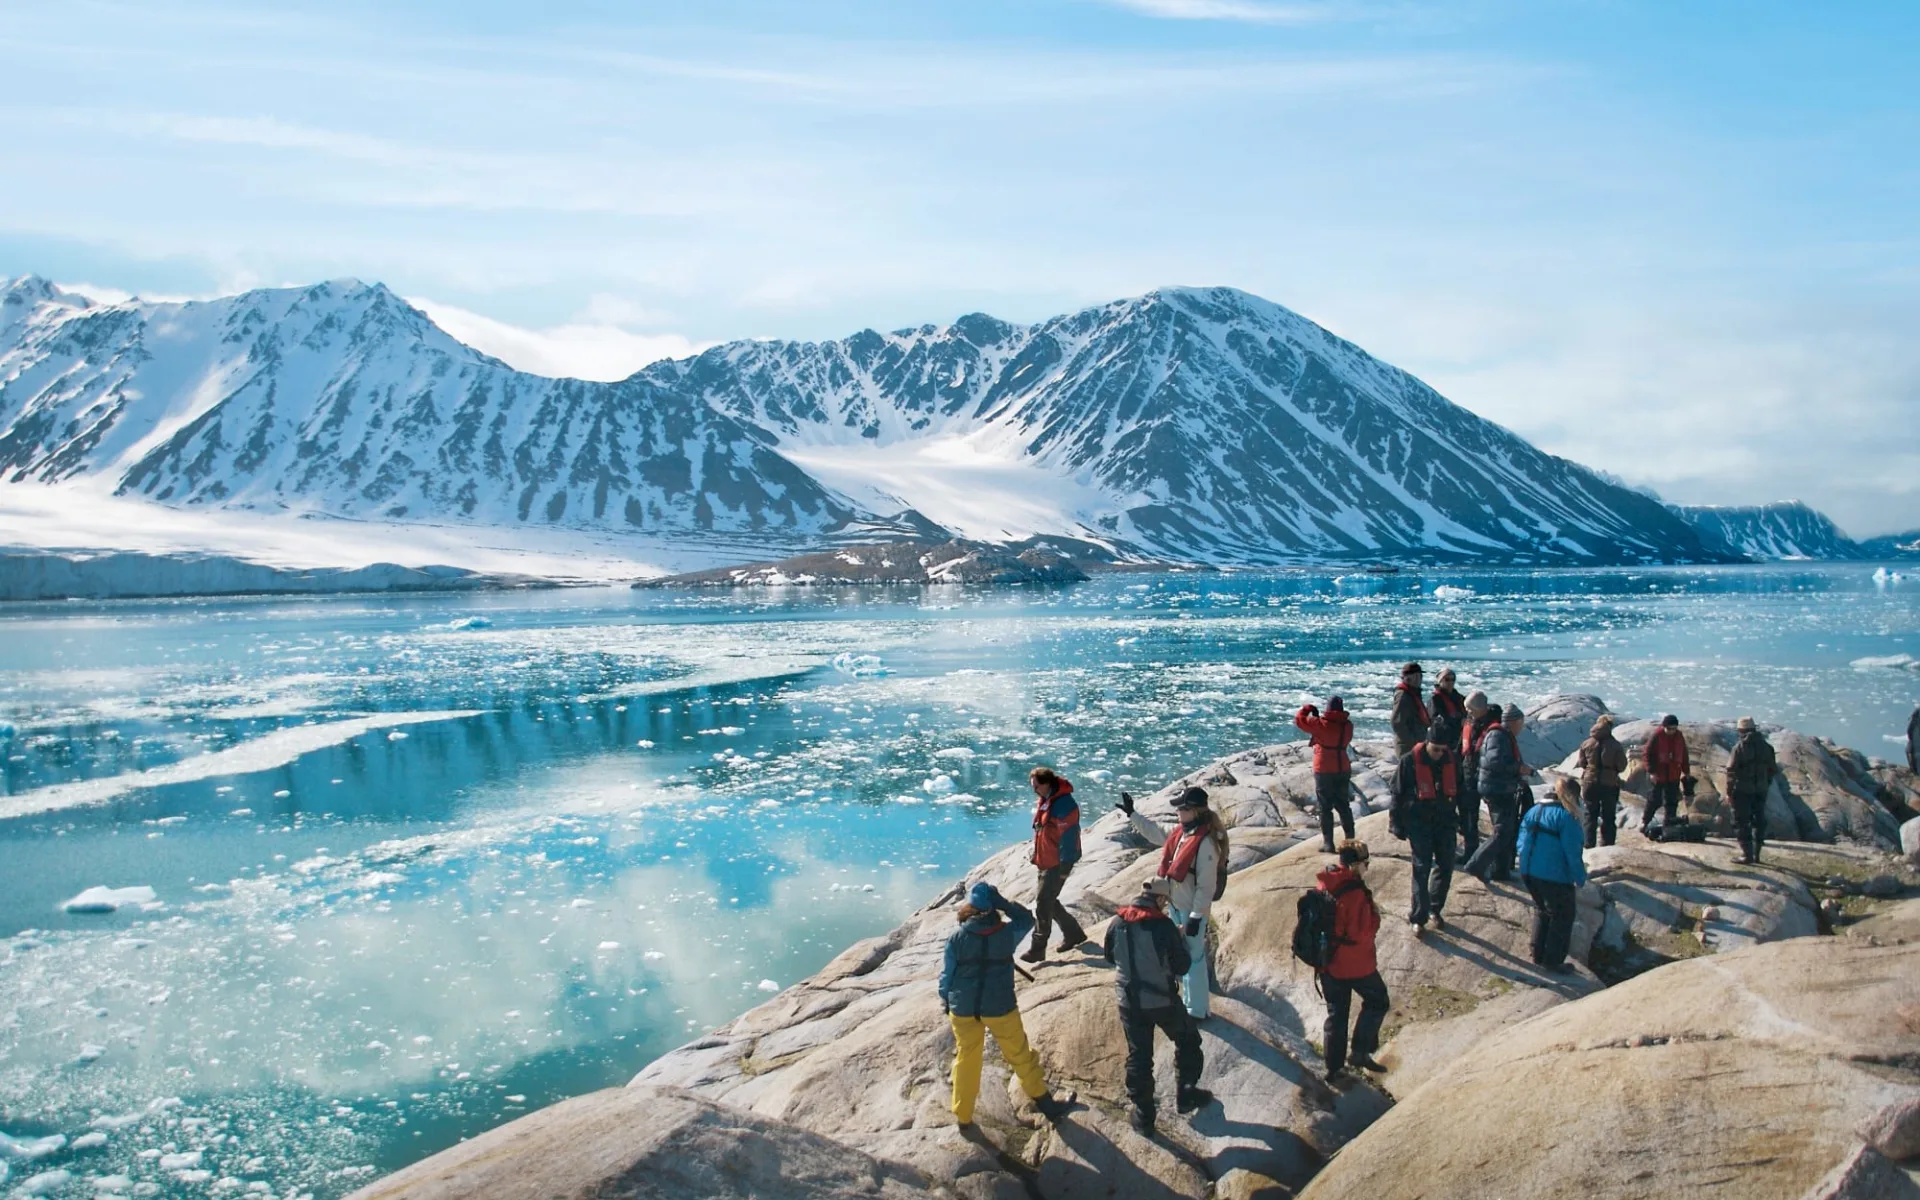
1193,855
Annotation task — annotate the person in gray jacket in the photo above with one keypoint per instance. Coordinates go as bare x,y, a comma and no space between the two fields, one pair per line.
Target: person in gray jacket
1149,956
1750,772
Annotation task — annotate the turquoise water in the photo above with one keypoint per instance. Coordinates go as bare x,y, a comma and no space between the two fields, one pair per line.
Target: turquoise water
419,865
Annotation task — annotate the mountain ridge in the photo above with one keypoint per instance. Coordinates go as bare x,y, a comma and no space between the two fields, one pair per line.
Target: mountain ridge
1191,424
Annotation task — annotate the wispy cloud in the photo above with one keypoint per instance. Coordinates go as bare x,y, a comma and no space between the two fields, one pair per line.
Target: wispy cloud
591,349
1249,11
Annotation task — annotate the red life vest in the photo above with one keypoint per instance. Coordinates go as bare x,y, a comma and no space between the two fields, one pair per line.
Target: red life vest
1423,775
1472,734
1451,705
1182,851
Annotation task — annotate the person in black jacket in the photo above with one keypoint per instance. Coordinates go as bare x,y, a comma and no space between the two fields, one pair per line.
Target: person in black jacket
1150,957
1750,772
1425,788
1481,717
1913,740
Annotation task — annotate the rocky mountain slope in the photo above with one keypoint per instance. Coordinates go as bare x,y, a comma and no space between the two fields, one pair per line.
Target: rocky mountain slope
1770,532
1203,425
1711,1040
341,398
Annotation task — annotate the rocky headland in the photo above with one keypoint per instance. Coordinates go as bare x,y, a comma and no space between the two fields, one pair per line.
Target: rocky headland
921,562
1729,1030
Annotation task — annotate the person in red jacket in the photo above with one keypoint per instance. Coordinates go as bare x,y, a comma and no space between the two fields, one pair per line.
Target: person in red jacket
1056,847
1667,765
1356,921
1331,734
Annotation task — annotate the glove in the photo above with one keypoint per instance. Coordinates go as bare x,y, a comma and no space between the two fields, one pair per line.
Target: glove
1313,710
1125,803
1193,926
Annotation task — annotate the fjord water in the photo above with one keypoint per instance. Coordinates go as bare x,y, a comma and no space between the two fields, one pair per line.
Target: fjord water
419,865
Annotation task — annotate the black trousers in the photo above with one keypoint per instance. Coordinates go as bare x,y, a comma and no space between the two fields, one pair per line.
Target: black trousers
1469,814
1373,1011
1552,920
1334,794
1667,794
1750,821
1494,859
1139,1024
1048,909
1602,802
1429,830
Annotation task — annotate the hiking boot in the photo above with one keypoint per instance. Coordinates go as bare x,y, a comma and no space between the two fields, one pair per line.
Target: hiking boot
1439,922
1034,954
1051,1108
1419,923
1193,1098
1366,1063
1338,1075
1142,1123
1326,846
1067,944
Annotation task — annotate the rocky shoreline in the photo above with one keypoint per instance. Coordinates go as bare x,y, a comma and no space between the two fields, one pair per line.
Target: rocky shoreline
1729,1030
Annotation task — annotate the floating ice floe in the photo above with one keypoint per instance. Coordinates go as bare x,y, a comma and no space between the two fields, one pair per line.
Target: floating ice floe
398,735
30,1149
90,1141
470,623
1885,661
859,665
940,785
1100,776
768,985
107,899
1447,591
45,1183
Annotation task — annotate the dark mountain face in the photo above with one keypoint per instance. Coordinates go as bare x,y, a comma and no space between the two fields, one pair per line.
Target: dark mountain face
1212,424
1189,424
1770,532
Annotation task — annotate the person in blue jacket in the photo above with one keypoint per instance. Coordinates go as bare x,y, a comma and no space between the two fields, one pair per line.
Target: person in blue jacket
1553,864
976,989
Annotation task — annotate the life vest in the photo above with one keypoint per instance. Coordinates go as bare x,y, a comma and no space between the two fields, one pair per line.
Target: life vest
1182,851
1419,705
1423,775
1451,705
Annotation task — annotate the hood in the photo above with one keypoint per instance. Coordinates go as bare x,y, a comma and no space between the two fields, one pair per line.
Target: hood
1336,876
983,924
1066,788
1404,686
1134,913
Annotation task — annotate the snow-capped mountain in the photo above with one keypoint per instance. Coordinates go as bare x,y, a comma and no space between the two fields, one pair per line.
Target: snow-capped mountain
1205,424
1770,532
1189,424
341,398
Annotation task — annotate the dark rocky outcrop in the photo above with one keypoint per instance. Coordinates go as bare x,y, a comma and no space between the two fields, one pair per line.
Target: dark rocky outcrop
892,562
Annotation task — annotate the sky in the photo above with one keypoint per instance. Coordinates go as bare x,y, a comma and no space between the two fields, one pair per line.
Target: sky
1677,242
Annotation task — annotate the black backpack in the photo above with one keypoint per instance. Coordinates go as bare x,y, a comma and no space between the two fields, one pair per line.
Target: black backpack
1313,941
1682,830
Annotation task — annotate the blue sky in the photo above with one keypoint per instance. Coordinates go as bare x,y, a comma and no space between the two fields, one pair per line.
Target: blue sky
1677,241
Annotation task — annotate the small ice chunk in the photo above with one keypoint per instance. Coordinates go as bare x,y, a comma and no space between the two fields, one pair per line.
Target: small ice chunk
112,1121
609,945
768,985
30,1148
652,954
45,1183
106,899
582,903
282,794
644,744
516,1099
470,623
1447,591
243,812
398,735
90,1141
185,1160
940,785
88,1053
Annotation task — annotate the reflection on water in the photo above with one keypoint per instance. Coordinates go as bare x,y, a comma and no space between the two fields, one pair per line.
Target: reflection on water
666,805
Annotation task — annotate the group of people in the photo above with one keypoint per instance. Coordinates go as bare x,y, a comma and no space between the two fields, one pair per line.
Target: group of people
1455,752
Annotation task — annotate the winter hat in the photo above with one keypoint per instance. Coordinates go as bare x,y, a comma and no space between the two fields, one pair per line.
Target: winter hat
1745,725
1476,702
1514,714
1670,722
1412,669
1352,851
981,896
1439,734
1193,797
1336,704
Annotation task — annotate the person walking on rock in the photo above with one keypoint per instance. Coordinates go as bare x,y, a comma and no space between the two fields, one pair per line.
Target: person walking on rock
1481,717
1149,956
1501,772
1552,866
1193,858
1913,740
976,990
1667,764
1353,968
1331,735
1449,706
1424,790
1410,717
1056,847
1750,772
1603,760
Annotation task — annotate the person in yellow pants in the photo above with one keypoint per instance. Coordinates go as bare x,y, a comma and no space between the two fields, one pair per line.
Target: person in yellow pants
976,988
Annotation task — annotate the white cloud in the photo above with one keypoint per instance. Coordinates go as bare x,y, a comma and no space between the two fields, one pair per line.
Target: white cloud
1252,11
598,350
